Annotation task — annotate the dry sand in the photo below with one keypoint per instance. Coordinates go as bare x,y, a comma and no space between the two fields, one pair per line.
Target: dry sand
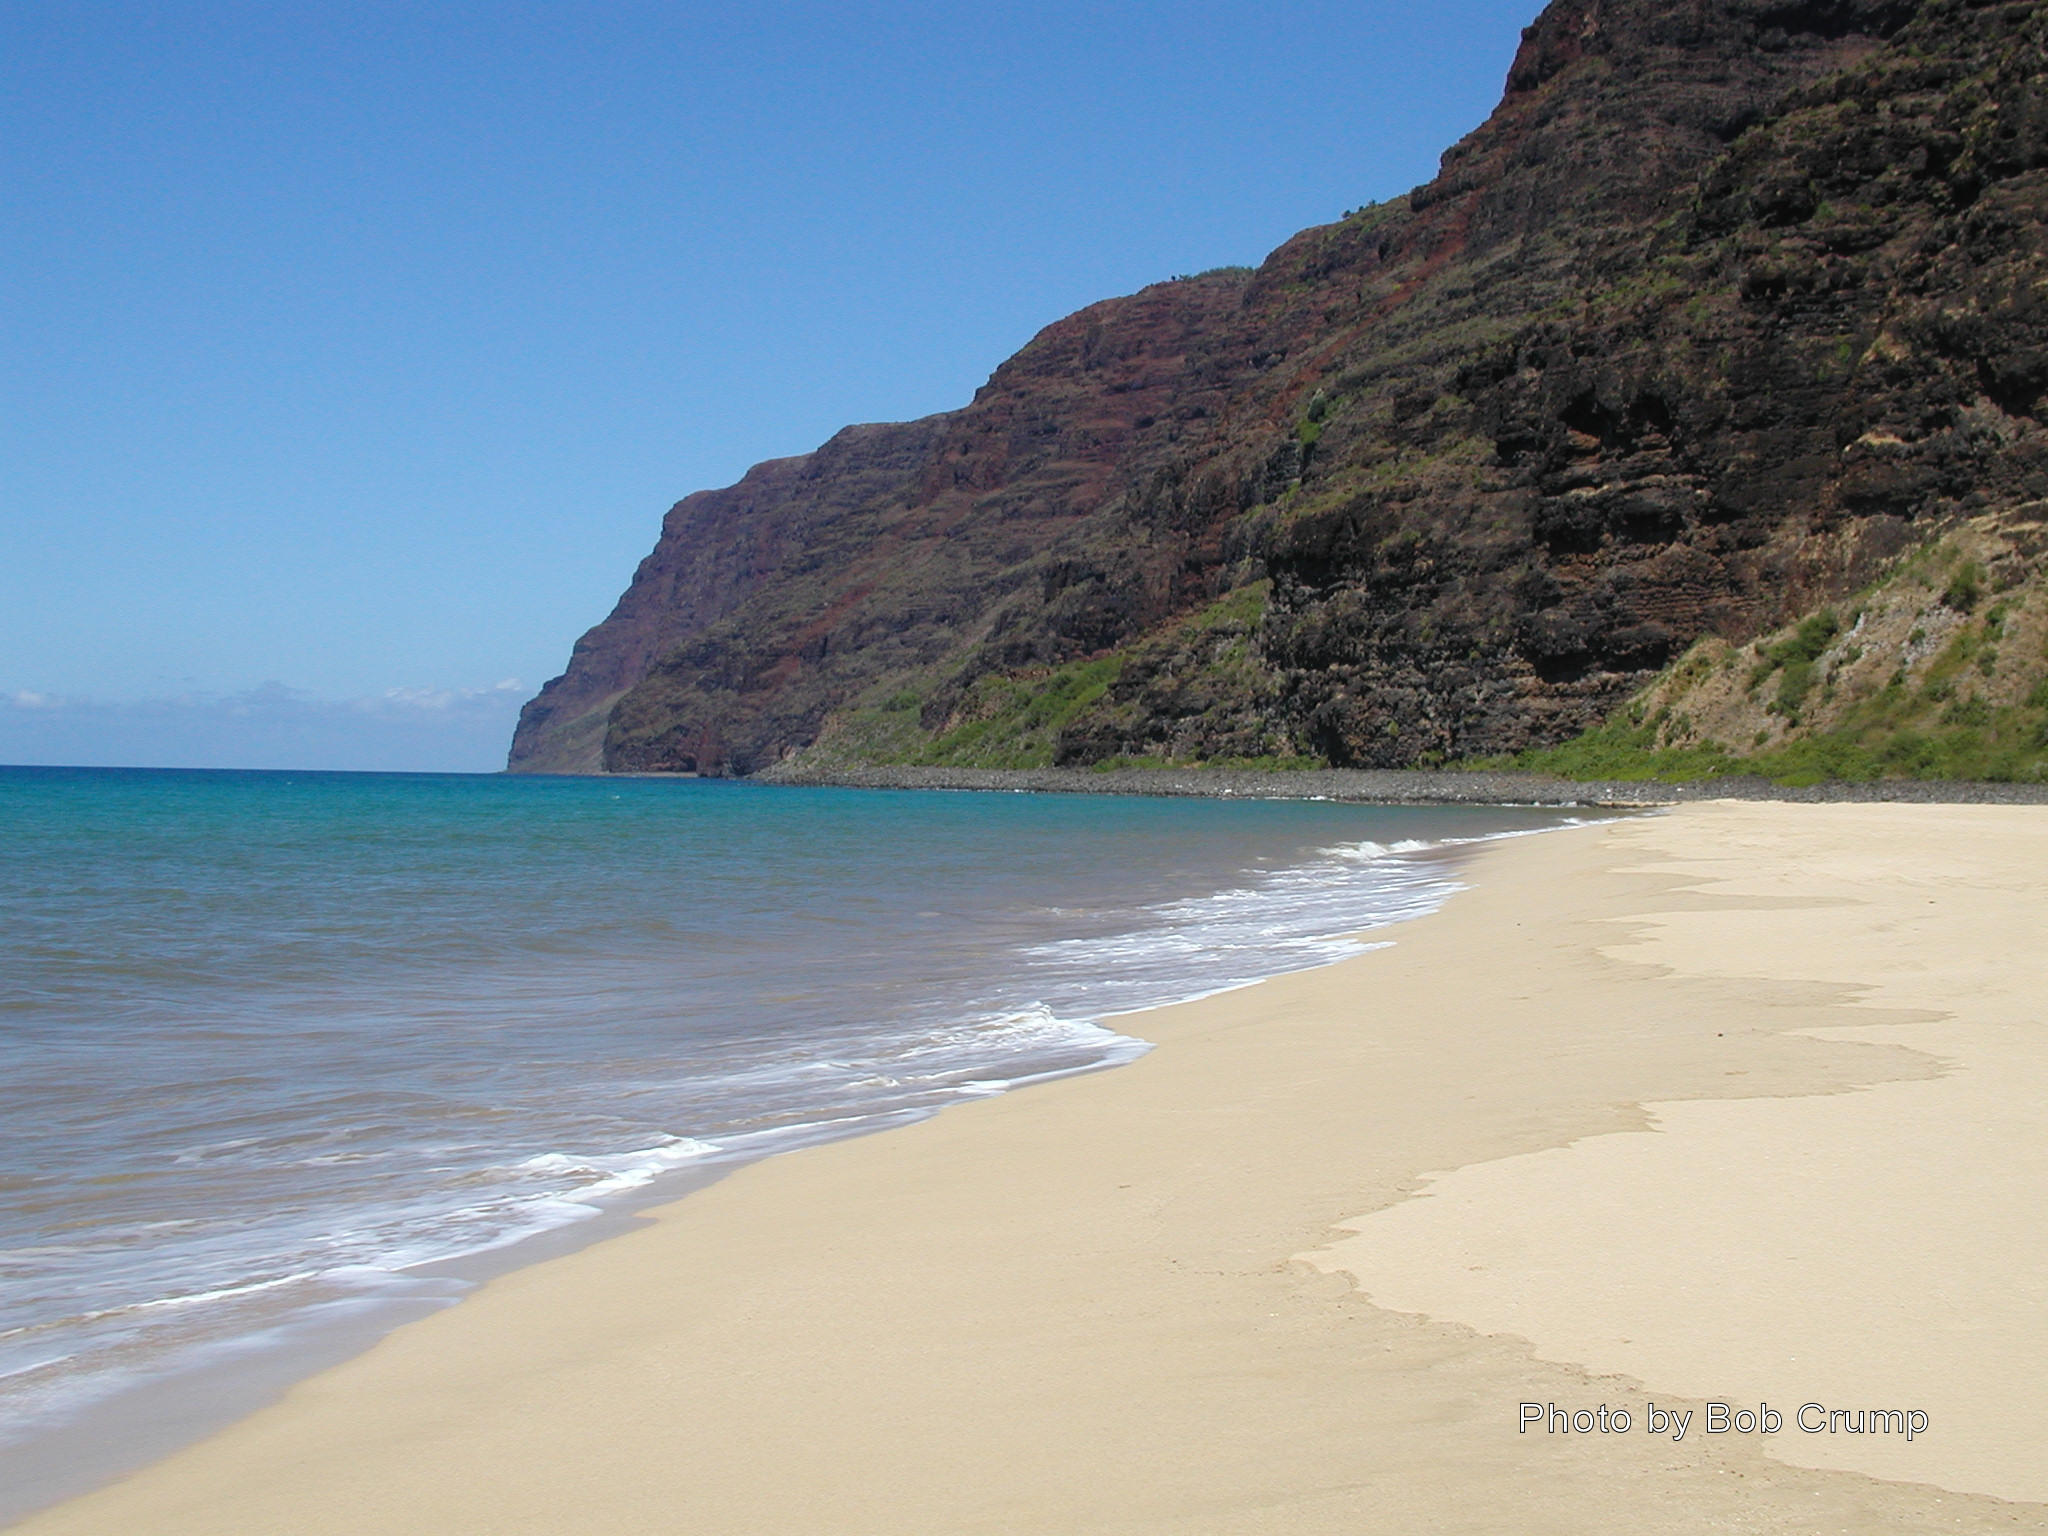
1882,1247
1079,1308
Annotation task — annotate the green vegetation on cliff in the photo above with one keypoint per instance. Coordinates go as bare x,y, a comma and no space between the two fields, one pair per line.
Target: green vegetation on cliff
1046,717
1015,721
1937,671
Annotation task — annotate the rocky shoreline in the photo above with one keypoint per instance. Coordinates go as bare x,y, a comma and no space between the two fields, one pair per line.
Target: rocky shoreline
1400,786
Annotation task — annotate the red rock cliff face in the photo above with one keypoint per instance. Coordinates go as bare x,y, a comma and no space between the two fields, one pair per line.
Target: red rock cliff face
1728,301
765,604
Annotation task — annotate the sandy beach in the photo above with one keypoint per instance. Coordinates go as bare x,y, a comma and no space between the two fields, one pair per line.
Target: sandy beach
1739,1104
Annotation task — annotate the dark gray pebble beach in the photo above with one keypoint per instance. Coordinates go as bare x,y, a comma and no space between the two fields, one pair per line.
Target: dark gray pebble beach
1402,786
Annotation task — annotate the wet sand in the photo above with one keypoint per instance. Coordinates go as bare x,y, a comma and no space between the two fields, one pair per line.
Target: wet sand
1742,1102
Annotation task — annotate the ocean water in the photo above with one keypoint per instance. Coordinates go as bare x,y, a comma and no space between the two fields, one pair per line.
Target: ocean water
276,1048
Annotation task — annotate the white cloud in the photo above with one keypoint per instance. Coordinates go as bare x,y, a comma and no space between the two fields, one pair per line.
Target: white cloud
413,728
440,698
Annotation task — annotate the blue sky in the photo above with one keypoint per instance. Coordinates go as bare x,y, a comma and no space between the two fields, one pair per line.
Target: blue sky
350,354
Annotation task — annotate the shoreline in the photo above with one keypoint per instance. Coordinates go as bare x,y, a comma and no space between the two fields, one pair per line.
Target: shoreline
1398,786
156,1417
1104,1304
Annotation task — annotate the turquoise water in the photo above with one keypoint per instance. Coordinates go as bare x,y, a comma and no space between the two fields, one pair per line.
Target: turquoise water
270,1042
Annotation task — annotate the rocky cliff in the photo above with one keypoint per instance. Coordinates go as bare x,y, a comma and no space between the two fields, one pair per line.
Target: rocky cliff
1729,306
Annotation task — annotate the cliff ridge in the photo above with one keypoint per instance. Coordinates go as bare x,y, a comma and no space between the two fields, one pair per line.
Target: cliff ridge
1730,307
